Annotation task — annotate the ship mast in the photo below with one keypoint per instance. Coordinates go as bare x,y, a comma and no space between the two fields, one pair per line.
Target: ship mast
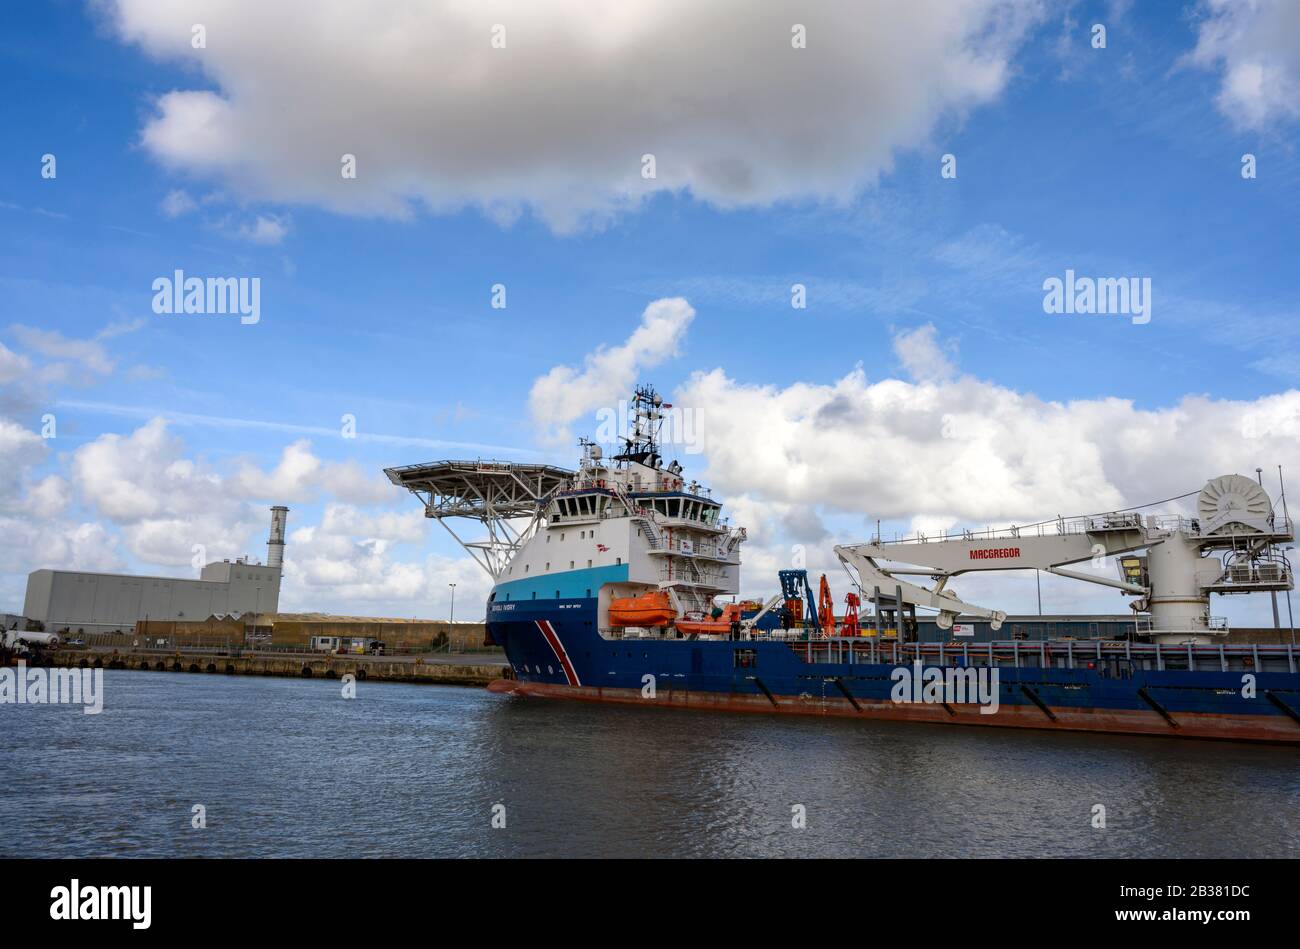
641,444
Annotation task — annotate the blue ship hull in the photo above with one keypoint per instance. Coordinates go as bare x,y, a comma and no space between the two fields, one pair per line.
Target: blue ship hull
556,649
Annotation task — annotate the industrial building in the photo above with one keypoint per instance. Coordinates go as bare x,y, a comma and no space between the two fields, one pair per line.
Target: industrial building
82,602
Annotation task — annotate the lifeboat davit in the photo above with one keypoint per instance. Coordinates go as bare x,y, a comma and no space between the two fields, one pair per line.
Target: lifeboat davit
648,609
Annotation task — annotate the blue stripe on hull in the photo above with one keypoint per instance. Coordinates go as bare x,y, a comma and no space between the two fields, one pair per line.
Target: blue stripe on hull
547,588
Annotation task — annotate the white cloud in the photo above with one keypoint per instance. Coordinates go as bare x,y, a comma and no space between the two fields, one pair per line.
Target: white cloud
142,475
177,541
559,119
609,373
349,482
857,451
973,451
407,525
13,367
150,499
163,502
31,544
32,520
177,203
20,450
329,568
294,478
922,356
90,354
1256,44
266,229
49,497
142,373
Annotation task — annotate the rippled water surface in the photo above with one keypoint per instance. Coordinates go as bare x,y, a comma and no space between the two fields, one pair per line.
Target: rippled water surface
287,767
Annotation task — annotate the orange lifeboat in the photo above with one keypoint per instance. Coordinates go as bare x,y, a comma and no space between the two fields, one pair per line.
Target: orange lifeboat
649,609
711,627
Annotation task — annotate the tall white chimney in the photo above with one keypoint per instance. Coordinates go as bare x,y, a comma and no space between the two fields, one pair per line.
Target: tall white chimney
275,546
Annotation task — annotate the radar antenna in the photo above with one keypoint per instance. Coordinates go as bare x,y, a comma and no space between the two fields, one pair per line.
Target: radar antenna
641,444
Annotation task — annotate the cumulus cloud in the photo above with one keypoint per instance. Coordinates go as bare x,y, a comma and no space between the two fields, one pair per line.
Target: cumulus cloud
294,478
178,203
266,229
300,475
34,518
971,451
130,478
348,481
924,359
139,501
12,366
20,450
1256,45
49,497
157,502
329,566
609,373
964,452
163,502
559,119
31,543
89,354
345,519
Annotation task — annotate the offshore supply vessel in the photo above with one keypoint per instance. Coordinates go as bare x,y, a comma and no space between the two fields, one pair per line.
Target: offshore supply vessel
617,582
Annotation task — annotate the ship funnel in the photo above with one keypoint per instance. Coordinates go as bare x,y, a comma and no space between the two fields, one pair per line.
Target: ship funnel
275,545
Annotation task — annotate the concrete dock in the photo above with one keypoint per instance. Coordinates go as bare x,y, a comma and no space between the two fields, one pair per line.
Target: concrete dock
469,669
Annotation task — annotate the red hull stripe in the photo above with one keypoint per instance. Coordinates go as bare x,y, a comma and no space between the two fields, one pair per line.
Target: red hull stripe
557,647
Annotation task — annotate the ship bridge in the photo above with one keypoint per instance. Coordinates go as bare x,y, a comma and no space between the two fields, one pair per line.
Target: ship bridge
508,499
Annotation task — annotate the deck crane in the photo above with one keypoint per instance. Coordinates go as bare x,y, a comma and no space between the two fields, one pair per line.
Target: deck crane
800,607
826,609
850,626
1232,545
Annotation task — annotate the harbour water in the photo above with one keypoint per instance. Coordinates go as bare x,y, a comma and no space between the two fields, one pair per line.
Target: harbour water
290,768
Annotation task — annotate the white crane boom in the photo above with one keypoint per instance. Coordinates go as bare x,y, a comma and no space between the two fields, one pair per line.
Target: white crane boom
1174,577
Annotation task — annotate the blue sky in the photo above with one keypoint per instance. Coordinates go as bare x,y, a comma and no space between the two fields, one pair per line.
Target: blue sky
1123,161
